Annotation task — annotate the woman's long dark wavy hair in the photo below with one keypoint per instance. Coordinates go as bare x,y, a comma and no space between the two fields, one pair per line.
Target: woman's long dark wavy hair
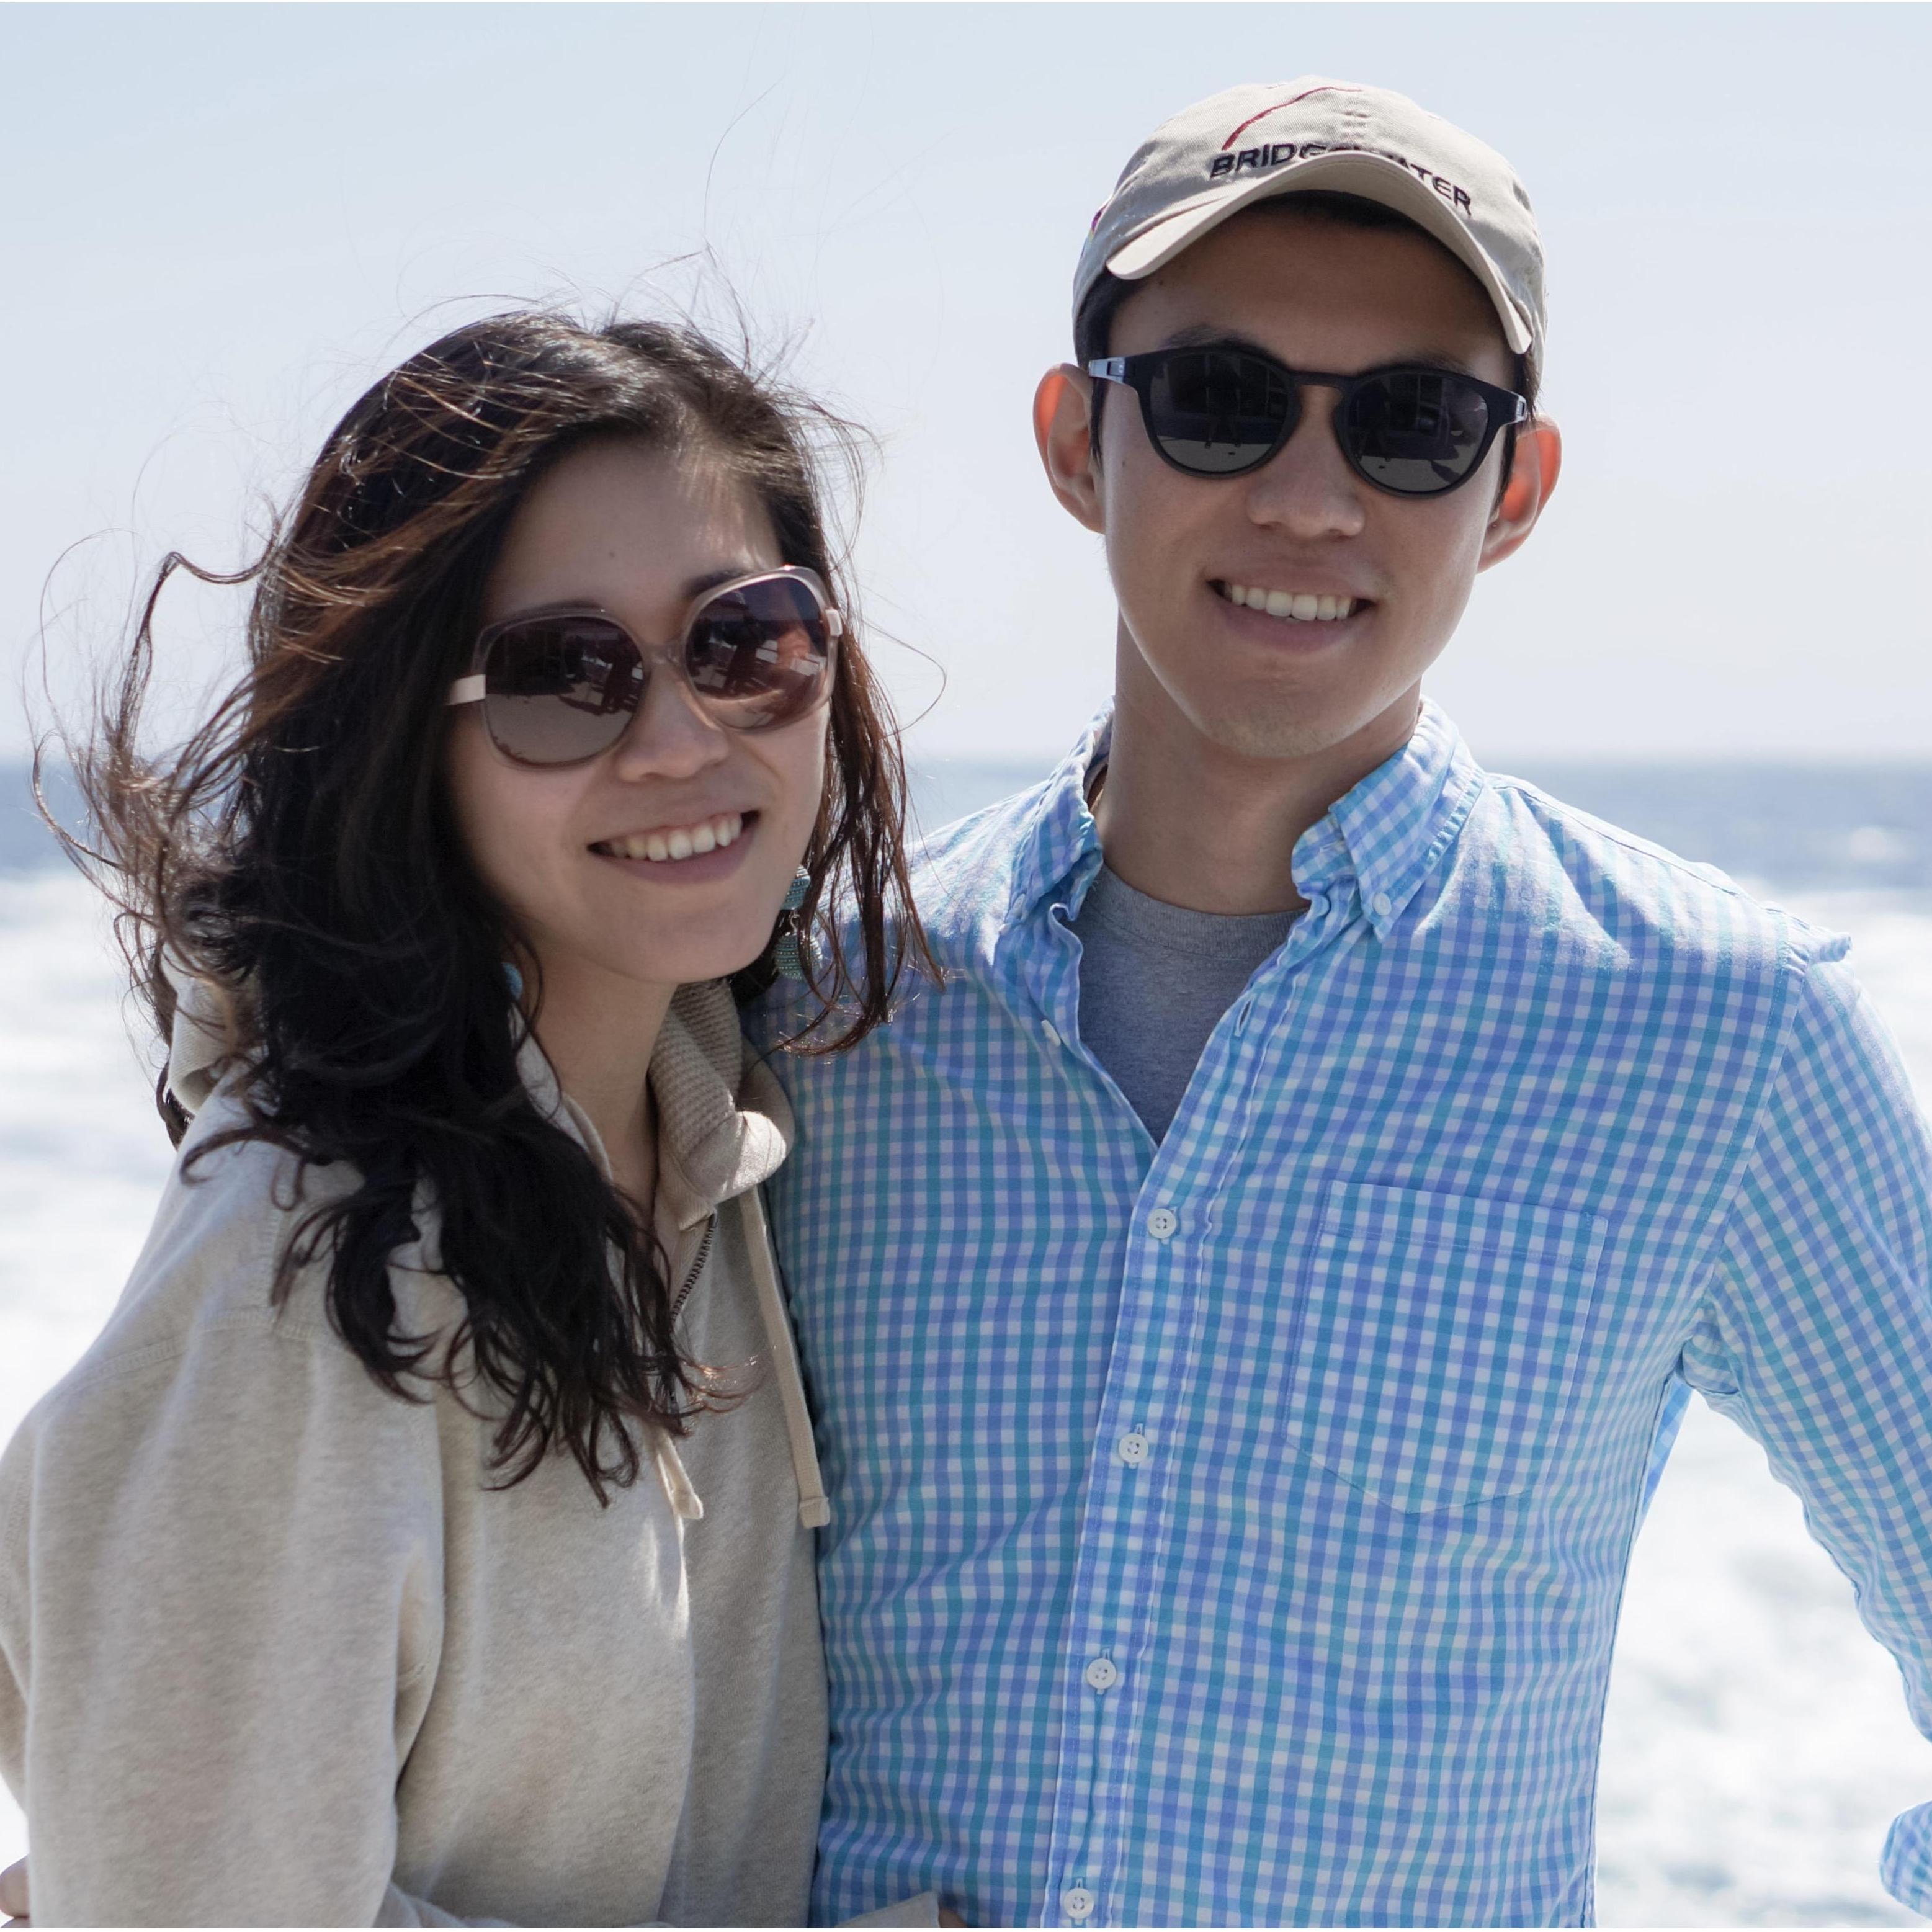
300,851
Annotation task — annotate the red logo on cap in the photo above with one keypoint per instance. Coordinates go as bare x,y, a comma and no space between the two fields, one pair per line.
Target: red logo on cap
1305,94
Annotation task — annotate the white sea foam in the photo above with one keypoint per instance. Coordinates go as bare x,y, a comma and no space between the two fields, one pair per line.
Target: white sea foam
1756,1746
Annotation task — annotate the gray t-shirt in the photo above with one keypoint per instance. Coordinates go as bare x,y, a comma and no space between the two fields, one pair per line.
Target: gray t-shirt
1154,981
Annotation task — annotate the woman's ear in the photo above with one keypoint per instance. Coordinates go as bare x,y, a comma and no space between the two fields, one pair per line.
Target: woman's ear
1063,426
1535,463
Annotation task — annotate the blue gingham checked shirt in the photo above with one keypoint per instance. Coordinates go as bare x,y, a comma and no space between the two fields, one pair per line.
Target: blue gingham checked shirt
1233,1531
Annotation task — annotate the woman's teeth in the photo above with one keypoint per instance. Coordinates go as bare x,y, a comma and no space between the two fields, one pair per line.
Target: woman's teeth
681,841
1303,606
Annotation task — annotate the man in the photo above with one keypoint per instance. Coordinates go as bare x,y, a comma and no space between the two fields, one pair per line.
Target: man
1242,1301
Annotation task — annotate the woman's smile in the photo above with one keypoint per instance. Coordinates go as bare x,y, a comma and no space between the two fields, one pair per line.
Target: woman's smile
687,853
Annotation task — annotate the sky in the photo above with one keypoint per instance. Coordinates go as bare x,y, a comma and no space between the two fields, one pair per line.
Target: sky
223,222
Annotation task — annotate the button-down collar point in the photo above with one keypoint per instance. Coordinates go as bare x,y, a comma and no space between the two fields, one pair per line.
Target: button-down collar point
1388,834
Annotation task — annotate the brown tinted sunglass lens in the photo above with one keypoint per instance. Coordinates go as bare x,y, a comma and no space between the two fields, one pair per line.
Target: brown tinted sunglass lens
557,689
758,654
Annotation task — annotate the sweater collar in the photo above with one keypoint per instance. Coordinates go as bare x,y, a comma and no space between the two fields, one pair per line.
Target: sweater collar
724,1124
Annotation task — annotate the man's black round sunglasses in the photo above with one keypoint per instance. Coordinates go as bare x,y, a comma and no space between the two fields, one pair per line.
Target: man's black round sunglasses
1412,430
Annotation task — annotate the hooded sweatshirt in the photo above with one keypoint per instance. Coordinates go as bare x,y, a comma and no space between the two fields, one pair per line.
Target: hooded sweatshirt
278,1647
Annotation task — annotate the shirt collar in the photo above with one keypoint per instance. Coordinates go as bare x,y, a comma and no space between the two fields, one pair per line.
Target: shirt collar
1062,834
1386,836
1382,840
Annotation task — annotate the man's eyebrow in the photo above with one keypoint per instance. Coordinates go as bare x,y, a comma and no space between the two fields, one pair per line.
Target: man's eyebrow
1205,335
1438,358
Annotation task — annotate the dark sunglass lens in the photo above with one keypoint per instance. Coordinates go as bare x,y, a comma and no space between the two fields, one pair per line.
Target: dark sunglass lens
758,654
1417,432
557,689
1216,411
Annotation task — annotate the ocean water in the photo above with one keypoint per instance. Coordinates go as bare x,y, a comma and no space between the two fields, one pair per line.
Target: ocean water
1755,1744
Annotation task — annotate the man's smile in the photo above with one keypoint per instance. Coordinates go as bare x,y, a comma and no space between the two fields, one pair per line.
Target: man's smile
1302,607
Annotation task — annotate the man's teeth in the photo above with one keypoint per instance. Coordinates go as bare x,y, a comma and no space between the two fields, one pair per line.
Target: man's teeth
681,841
1302,605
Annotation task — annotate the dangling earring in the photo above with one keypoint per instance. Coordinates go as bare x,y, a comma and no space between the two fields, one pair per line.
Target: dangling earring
784,950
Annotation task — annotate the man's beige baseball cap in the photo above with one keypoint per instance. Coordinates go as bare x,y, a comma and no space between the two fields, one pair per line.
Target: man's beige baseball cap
1252,143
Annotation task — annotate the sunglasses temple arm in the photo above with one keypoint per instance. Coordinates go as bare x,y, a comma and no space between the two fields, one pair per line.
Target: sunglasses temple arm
467,690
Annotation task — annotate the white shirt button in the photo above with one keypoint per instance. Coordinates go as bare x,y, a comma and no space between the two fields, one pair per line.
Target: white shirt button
1133,1448
1162,1223
1078,1902
1102,1674
1050,1032
1383,904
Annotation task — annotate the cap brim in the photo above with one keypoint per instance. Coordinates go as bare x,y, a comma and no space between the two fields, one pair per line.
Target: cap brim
1369,176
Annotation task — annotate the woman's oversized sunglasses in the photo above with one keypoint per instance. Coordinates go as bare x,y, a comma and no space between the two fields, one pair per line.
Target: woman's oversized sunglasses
1412,430
558,687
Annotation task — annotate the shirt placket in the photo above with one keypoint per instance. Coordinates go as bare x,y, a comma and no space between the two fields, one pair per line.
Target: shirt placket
1107,1683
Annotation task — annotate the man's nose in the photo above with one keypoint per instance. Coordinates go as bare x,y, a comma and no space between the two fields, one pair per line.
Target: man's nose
1306,489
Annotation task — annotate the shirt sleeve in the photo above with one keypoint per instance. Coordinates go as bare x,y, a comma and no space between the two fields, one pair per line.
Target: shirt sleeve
1816,1333
219,1624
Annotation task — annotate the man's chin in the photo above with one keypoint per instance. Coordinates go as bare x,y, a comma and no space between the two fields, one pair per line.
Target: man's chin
1281,736
1269,720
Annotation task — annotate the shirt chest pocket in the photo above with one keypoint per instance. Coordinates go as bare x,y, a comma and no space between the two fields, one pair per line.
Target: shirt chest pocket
1436,1352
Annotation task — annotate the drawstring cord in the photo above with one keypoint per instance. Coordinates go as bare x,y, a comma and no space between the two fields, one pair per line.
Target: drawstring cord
814,1512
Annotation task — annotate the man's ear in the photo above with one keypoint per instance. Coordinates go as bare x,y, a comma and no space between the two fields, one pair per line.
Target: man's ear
1535,465
1062,426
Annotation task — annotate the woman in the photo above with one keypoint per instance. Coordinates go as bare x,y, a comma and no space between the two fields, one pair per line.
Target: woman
427,1537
